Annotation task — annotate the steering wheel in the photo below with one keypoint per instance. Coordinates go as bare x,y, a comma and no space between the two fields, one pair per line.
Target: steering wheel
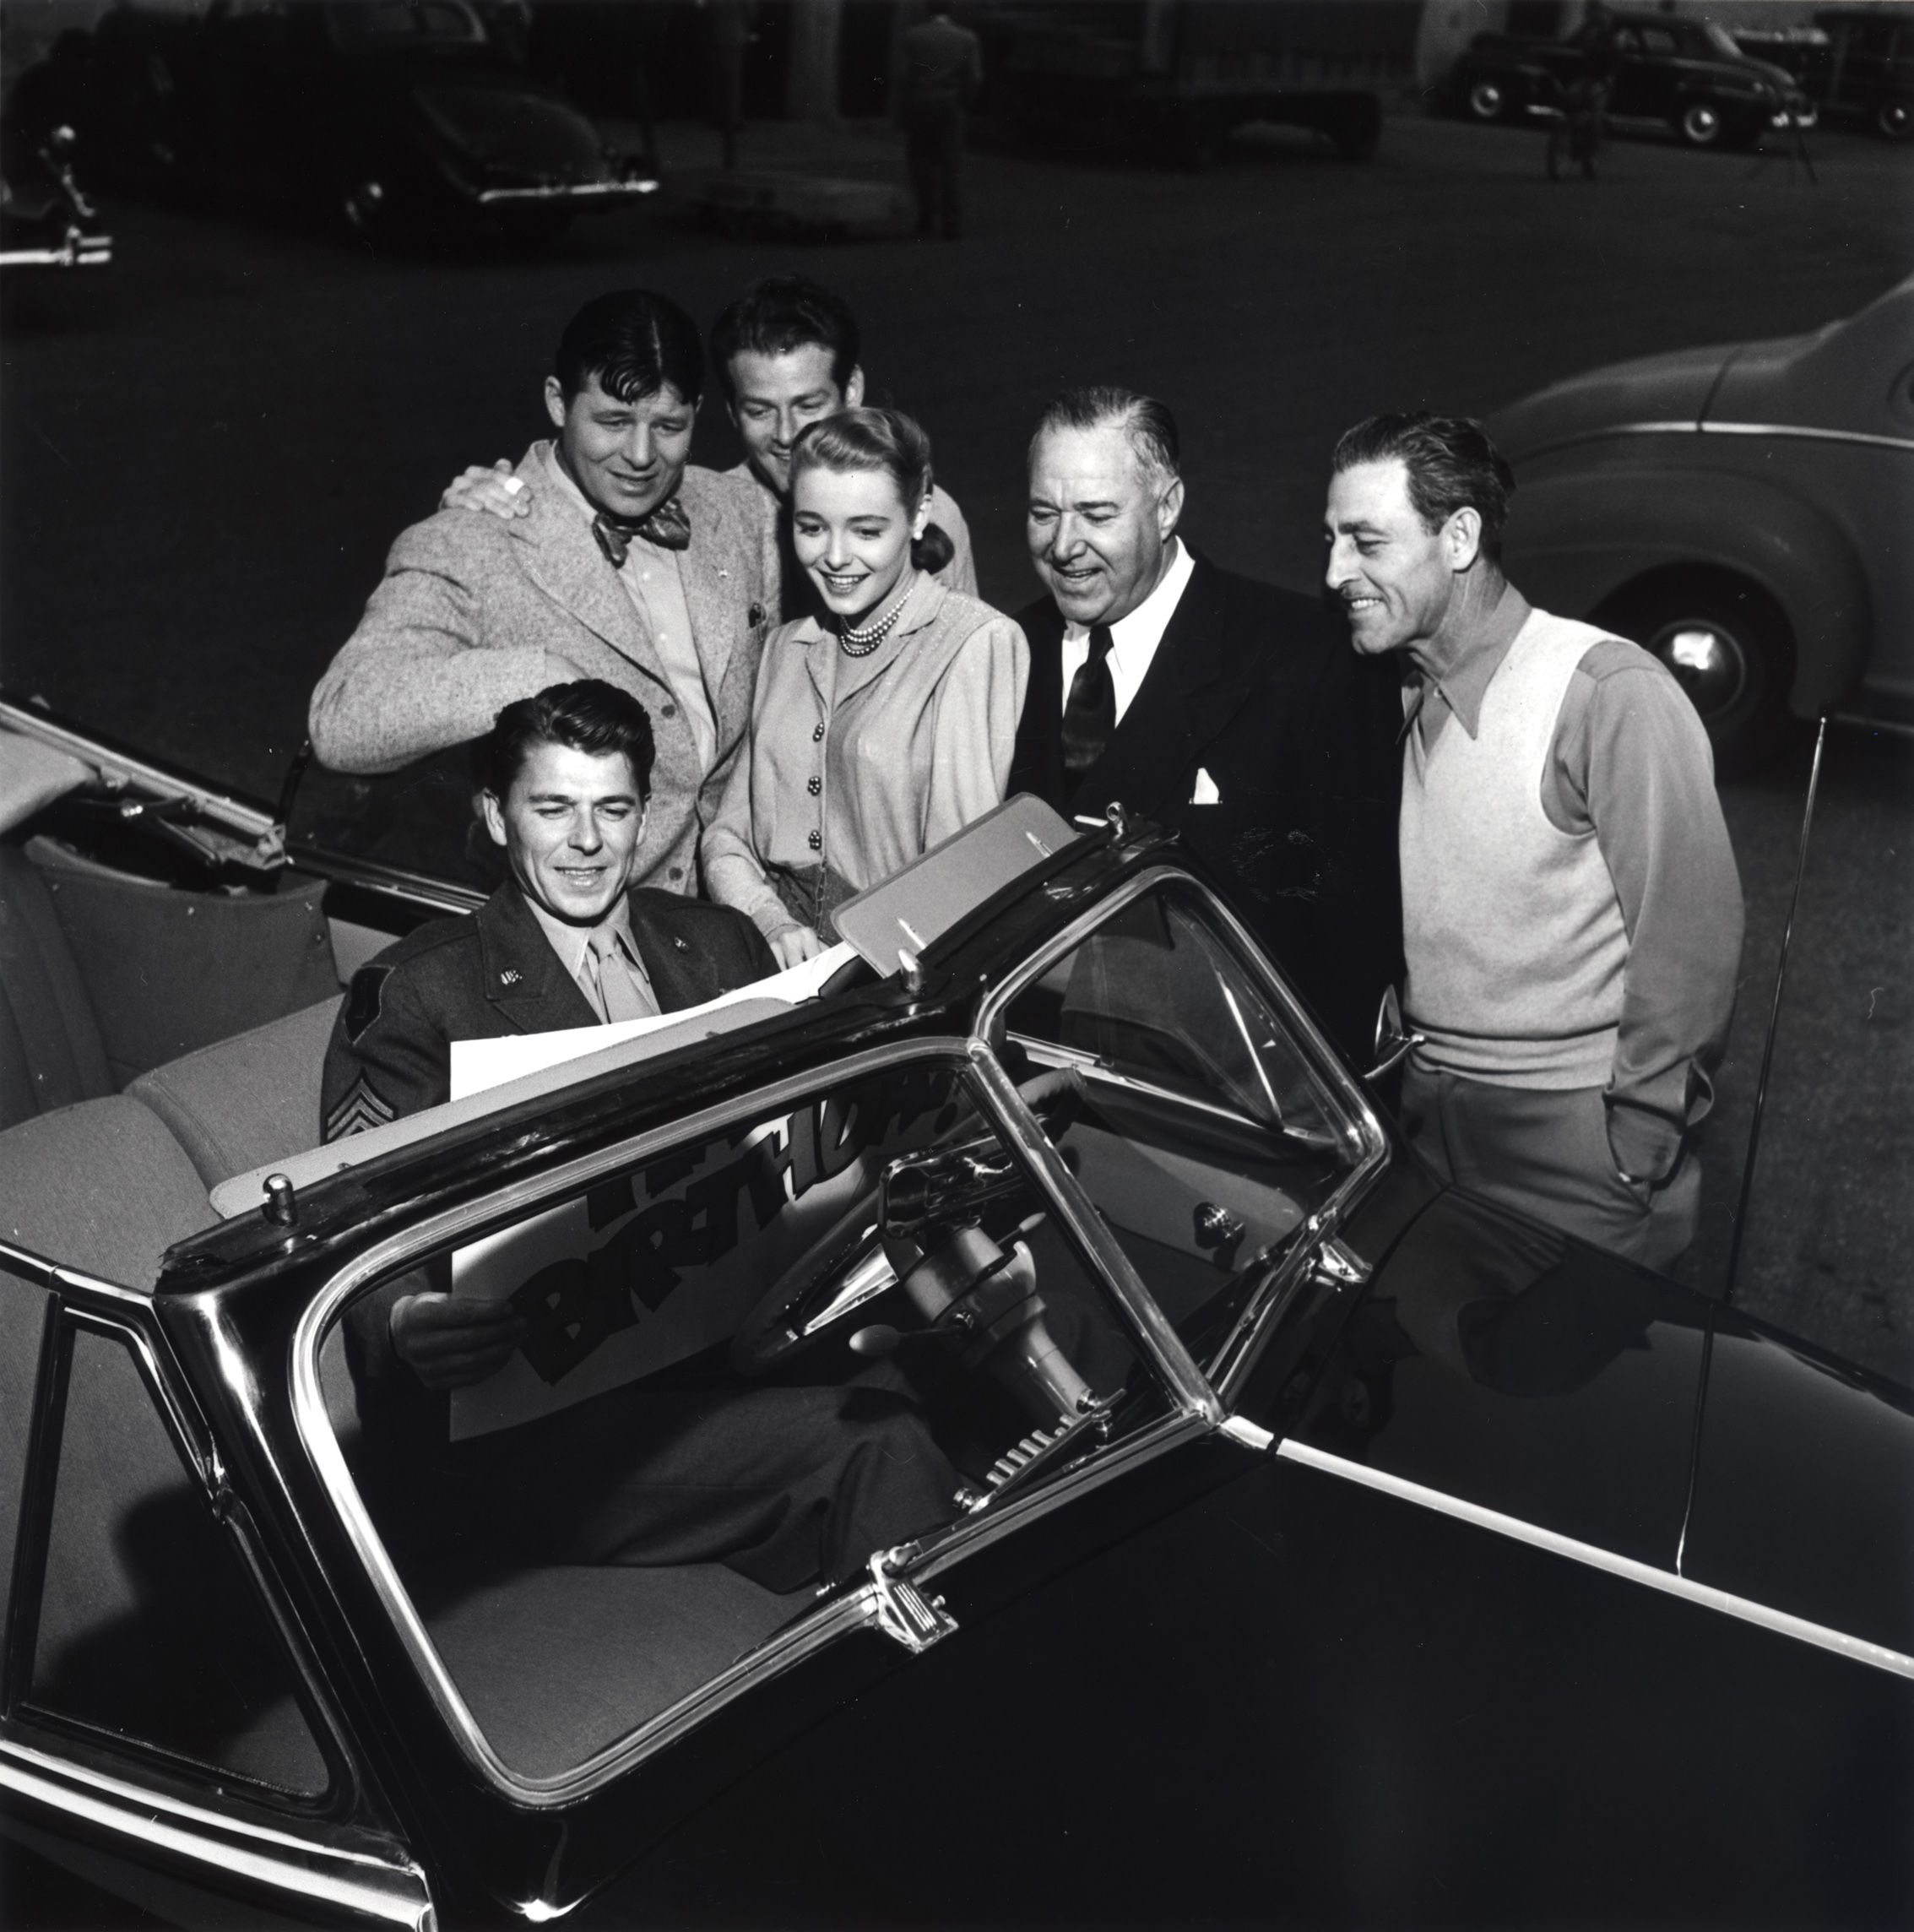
847,1268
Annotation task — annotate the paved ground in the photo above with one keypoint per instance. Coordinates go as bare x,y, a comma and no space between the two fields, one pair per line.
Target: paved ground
207,448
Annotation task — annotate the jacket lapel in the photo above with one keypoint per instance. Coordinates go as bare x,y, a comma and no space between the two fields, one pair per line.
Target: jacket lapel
1196,682
525,980
559,553
1038,764
721,572
680,974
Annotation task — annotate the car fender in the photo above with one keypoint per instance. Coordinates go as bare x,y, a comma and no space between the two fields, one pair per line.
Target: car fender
1575,540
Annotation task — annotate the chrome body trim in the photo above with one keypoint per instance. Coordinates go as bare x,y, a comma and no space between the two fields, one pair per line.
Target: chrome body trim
416,888
1799,432
1877,1656
120,772
1250,1435
51,1274
576,191
395,1894
833,1618
76,251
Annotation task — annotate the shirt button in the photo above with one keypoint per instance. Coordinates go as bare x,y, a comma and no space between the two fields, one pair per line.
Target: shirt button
815,786
816,737
817,842
670,710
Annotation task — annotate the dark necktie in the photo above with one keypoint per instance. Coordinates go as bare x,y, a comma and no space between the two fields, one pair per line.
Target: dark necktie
1089,716
665,524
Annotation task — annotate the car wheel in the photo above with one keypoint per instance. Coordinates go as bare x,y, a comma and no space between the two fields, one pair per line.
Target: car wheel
1699,125
1487,100
1894,120
1730,648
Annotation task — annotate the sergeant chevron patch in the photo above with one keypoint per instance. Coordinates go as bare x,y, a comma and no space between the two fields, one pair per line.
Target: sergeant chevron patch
360,1109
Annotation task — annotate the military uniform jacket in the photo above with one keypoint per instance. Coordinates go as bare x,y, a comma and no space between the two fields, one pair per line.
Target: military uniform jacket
1253,689
492,973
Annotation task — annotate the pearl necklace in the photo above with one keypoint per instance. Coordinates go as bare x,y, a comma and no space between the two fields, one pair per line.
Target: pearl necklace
855,643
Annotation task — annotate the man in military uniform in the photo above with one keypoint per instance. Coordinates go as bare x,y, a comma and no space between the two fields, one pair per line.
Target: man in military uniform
784,1484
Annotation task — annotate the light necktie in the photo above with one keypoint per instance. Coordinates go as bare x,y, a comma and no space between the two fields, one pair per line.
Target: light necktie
617,996
1089,715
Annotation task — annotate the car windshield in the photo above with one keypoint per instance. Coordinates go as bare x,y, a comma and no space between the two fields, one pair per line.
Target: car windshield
1720,40
723,1373
1201,1124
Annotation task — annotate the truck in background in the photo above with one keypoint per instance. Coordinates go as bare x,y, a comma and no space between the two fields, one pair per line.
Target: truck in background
1177,78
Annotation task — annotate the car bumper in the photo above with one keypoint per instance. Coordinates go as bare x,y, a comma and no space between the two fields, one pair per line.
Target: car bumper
570,194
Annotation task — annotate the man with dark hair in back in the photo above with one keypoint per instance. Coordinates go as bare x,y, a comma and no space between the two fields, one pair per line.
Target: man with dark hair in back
1223,709
787,1484
629,566
785,355
1572,914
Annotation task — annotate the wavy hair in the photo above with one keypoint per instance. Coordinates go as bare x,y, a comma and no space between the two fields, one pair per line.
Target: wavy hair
884,440
1452,466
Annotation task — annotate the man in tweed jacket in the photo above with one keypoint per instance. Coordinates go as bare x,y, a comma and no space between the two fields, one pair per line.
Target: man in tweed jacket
632,567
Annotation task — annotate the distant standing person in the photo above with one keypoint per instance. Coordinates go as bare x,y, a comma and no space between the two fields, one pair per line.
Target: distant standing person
1572,915
880,729
943,70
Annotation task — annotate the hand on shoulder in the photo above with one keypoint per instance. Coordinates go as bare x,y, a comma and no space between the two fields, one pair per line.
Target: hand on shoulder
497,492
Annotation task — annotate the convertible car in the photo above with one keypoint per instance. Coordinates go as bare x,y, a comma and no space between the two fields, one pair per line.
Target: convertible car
395,116
1329,1547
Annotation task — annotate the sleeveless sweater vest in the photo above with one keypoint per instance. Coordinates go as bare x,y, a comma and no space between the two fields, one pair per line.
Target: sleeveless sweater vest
1514,937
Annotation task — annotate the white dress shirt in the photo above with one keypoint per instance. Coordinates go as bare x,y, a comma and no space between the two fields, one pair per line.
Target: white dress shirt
1133,639
610,975
649,576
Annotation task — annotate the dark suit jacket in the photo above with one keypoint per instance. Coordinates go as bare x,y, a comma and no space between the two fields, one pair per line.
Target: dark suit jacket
485,974
1255,686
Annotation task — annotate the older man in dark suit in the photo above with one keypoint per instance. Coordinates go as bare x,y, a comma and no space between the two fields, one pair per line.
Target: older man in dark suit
785,1485
631,566
1225,709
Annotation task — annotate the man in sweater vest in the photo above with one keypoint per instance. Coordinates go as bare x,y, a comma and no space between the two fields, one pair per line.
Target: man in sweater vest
1572,915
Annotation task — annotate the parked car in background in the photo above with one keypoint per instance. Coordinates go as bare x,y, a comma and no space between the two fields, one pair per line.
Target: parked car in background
1855,63
46,219
1742,511
392,114
1684,77
1334,1548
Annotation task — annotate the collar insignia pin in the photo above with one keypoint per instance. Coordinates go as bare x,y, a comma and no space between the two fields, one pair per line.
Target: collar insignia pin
680,943
509,977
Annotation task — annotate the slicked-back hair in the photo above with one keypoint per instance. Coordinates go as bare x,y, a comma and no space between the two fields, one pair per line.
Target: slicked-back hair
636,343
1452,466
589,716
1148,424
886,440
781,314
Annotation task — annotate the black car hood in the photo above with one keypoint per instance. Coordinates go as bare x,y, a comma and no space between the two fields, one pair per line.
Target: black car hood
1804,1487
1503,1363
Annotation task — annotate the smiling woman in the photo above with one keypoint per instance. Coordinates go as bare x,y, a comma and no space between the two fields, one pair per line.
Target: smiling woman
880,729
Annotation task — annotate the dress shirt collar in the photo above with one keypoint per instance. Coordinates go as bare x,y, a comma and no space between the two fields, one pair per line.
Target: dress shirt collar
1463,682
1134,639
568,489
571,942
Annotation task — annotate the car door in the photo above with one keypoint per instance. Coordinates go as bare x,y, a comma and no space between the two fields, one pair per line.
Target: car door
164,1733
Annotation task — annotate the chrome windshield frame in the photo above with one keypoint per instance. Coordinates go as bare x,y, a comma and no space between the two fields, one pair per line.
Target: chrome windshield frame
1368,1144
